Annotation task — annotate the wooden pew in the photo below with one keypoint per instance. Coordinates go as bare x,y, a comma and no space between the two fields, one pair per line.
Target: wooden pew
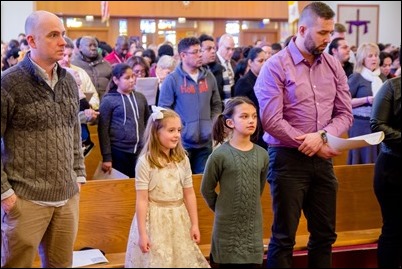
358,218
343,158
106,212
357,207
92,160
107,209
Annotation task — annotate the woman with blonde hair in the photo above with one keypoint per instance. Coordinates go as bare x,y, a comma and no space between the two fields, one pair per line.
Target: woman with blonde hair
364,83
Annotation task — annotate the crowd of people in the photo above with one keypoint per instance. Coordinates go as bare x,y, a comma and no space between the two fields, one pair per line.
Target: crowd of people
239,116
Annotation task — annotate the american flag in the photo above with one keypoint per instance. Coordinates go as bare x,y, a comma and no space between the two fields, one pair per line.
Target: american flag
105,13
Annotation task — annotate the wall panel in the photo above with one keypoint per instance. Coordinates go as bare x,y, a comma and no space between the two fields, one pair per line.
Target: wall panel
169,9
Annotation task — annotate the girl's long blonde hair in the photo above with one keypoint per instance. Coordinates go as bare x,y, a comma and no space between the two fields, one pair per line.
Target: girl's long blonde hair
152,146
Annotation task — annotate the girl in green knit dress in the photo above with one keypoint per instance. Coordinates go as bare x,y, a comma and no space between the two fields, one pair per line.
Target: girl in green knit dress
240,168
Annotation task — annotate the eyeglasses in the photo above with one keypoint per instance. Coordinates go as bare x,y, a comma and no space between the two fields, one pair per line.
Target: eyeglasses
229,48
193,52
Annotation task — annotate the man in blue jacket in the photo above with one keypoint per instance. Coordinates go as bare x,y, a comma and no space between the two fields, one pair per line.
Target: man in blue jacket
192,92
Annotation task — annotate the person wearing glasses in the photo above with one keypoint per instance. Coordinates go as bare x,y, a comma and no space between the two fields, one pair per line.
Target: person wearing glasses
139,65
191,91
209,61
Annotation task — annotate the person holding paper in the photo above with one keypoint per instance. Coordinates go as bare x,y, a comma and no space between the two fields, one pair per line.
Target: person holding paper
386,117
303,94
166,65
123,115
164,232
140,67
364,84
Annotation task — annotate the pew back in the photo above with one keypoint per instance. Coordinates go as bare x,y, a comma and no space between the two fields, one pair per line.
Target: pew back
107,208
106,212
357,207
206,216
92,160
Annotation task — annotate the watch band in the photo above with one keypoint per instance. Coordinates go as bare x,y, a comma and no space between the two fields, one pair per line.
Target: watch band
323,135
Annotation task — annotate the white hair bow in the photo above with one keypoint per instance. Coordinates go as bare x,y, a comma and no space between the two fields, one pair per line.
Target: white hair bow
157,113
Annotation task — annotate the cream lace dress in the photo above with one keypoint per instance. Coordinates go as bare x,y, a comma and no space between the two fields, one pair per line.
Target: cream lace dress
167,223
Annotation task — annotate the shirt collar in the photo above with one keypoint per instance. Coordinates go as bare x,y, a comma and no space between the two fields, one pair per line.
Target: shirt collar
42,73
296,55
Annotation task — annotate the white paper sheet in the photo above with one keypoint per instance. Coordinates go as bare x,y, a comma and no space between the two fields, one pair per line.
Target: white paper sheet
341,144
88,257
148,87
115,174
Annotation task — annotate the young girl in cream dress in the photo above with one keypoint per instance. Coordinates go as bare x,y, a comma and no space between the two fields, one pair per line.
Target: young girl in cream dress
164,231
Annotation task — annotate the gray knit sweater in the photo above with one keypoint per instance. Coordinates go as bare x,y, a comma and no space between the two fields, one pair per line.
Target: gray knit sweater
41,155
238,232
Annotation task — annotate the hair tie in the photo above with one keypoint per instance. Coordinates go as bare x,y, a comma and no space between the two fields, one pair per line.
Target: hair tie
157,113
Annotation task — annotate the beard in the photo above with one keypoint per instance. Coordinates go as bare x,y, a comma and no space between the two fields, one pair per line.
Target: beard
311,46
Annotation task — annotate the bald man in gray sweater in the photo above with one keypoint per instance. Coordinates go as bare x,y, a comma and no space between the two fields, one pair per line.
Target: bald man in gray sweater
42,164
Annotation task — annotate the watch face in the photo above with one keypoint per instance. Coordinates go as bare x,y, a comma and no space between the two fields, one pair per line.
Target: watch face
324,137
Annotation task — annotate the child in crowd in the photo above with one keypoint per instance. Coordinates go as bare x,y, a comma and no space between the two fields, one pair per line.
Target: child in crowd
123,116
86,115
164,231
240,168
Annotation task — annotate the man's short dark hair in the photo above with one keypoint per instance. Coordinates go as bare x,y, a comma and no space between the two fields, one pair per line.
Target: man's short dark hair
165,50
205,37
315,10
334,44
187,42
276,46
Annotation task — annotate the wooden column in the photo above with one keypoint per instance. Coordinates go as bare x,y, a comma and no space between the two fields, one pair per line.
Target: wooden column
219,29
133,27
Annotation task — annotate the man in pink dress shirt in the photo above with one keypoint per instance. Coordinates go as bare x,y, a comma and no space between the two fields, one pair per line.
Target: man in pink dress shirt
303,94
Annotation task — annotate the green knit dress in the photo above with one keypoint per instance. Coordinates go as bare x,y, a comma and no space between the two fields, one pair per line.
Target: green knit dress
241,175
